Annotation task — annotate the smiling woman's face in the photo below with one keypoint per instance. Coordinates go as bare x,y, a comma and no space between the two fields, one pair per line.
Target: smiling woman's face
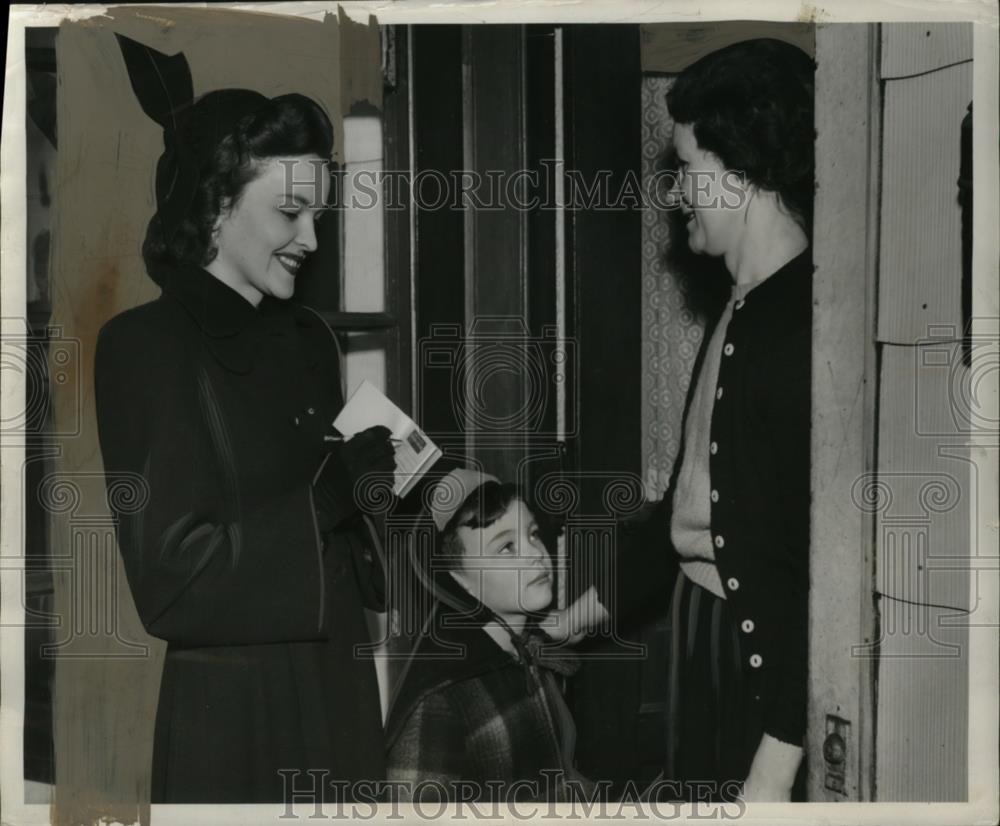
713,203
506,565
265,236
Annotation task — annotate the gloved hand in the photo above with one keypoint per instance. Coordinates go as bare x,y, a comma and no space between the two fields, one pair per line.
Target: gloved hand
369,451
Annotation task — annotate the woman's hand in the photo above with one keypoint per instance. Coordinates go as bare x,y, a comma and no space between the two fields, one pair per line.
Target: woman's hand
369,451
772,772
572,623
336,484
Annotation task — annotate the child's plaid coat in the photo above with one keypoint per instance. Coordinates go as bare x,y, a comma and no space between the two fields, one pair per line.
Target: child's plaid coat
477,726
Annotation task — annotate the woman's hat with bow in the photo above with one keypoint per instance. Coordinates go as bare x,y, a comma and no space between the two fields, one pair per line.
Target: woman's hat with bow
192,129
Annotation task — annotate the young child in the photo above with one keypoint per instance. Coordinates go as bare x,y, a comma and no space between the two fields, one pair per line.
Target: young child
478,714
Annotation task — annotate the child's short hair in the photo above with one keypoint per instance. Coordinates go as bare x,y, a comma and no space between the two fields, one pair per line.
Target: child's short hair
481,508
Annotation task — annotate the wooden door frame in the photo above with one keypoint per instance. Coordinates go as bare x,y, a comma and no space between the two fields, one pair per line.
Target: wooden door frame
842,612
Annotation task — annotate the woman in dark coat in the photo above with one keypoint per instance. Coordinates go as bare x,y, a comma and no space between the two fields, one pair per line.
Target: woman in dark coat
243,547
735,519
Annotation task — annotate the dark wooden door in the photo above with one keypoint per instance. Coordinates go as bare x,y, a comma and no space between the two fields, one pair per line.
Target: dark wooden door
621,734
510,100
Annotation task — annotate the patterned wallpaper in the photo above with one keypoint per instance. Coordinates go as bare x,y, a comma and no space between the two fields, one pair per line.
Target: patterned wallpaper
671,330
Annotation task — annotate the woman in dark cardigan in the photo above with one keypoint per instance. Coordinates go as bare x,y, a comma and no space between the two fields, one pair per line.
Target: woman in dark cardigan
735,518
243,547
479,715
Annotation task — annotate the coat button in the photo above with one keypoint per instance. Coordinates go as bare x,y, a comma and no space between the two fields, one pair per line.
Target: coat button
720,542
713,448
747,626
718,393
733,584
756,660
728,349
715,495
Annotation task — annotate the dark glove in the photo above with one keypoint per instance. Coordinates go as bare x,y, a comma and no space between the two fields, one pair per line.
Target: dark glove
370,451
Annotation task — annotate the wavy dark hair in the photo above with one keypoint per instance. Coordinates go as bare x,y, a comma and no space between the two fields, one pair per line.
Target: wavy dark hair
481,508
752,105
484,506
285,126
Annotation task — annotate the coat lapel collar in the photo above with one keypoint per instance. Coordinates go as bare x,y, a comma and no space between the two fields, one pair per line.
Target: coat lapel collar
228,321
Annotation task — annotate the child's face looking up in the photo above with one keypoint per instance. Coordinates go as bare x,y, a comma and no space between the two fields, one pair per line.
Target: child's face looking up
505,565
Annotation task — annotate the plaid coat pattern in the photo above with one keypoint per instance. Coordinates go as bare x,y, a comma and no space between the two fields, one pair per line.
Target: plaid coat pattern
479,726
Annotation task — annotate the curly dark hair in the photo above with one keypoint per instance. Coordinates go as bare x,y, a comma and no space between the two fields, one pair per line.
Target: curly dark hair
285,126
751,104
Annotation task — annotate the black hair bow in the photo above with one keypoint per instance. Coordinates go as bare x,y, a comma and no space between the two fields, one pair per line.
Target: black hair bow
192,130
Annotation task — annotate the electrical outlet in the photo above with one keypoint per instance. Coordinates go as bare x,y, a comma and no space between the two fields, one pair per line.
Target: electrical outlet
838,731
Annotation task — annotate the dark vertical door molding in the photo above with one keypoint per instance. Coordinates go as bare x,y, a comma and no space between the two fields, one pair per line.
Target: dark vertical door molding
439,277
496,241
396,194
545,454
604,245
603,255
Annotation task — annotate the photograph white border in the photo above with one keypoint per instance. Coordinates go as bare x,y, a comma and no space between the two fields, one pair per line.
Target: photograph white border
984,773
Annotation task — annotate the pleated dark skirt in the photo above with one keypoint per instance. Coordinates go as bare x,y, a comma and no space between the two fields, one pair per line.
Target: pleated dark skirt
714,731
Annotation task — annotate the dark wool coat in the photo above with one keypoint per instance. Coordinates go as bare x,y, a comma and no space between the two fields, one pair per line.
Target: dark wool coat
468,712
760,476
197,393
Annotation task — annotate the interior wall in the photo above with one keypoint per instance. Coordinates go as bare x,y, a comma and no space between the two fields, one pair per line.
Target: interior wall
669,47
891,477
924,468
671,329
